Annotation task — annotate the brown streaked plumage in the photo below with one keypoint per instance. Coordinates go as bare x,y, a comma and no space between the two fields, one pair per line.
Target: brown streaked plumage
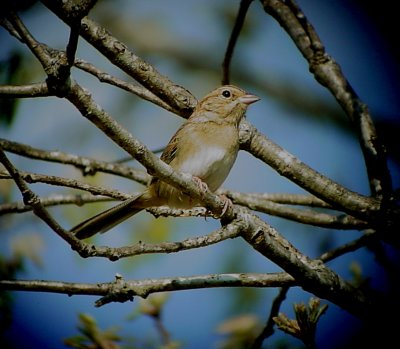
205,146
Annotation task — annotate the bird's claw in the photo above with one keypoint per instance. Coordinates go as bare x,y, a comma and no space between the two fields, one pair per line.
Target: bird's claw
203,187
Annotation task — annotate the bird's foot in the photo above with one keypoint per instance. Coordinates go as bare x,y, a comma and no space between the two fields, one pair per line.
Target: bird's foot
227,204
203,187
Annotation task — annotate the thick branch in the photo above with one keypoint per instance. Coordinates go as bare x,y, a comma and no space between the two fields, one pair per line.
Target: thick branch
314,276
322,187
83,101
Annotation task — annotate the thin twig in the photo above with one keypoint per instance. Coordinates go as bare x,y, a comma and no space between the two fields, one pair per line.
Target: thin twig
325,220
229,231
279,198
145,287
30,177
243,8
72,45
368,237
39,89
53,200
10,28
268,330
36,48
89,166
112,80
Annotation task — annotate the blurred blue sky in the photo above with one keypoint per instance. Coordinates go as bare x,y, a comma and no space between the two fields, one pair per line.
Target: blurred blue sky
267,52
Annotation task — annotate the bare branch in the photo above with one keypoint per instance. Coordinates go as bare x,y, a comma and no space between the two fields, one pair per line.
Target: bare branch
53,200
123,290
302,216
54,62
314,276
243,8
289,166
30,177
279,198
328,73
269,327
31,199
25,91
72,44
369,237
88,166
229,231
132,88
10,28
117,52
83,101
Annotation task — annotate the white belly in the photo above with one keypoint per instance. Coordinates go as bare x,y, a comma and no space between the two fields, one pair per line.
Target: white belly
211,164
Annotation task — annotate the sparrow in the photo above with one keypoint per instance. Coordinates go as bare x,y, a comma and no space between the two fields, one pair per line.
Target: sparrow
205,146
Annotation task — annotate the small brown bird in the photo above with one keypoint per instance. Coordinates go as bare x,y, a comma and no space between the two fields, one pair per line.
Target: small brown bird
205,146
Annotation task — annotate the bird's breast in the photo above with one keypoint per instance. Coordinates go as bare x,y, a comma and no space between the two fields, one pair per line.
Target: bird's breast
211,163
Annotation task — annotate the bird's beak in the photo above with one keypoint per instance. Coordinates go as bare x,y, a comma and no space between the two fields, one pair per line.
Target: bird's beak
248,99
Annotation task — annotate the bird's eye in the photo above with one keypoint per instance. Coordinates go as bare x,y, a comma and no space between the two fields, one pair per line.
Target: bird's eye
226,93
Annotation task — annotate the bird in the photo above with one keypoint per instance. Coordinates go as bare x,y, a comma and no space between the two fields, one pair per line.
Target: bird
205,146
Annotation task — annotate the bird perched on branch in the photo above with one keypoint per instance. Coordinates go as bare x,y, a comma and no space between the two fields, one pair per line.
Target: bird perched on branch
205,146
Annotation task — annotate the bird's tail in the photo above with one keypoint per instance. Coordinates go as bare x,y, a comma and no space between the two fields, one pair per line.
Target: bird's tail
107,219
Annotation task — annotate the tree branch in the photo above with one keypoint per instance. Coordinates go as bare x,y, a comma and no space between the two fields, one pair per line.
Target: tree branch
83,101
309,217
322,187
53,200
121,290
132,88
88,166
116,51
369,237
54,63
328,73
228,231
279,198
25,91
31,199
243,8
269,327
314,276
67,182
